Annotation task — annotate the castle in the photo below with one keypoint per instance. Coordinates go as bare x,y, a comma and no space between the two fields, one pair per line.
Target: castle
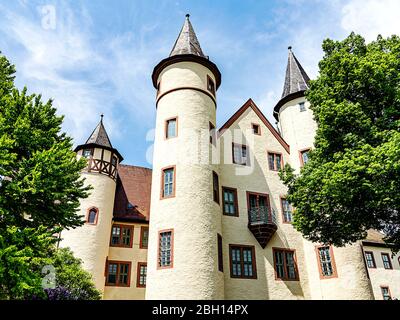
210,220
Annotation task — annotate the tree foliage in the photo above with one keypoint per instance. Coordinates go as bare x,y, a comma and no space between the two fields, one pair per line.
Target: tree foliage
352,181
40,189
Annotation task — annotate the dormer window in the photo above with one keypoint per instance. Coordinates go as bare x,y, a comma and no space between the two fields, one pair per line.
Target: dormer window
210,85
87,153
302,107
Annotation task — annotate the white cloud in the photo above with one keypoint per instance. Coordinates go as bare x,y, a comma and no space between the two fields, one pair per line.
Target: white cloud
371,17
84,77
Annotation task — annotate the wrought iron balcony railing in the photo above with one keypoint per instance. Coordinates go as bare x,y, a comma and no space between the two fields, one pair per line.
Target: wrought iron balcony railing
261,215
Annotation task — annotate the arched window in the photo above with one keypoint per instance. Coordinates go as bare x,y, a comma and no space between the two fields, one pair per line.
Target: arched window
92,216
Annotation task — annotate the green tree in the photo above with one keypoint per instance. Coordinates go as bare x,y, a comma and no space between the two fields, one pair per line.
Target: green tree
40,186
71,276
352,181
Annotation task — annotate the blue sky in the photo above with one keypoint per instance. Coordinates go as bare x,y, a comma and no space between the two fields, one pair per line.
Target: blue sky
96,57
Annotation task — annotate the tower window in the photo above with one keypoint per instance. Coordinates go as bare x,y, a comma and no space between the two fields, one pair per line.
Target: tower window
118,273
242,261
387,264
256,128
165,254
121,236
215,187
210,85
171,128
326,264
304,156
286,211
141,275
92,216
240,154
386,293
302,106
213,136
114,160
144,237
369,258
87,153
285,264
230,203
220,256
168,182
274,161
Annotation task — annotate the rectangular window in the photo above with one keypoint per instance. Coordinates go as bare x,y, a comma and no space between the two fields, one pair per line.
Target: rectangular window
141,275
274,161
369,258
213,134
326,261
144,237
242,261
285,264
210,85
256,128
302,106
259,208
168,182
118,273
230,203
220,256
387,264
304,156
87,153
165,258
215,187
386,293
171,128
240,154
121,236
286,211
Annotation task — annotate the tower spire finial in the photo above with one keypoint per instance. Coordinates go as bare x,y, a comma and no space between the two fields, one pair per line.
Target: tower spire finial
290,48
101,117
187,15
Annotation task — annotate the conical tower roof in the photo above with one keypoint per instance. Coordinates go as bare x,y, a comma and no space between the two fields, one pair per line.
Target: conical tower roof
99,139
187,42
186,49
296,78
296,82
99,136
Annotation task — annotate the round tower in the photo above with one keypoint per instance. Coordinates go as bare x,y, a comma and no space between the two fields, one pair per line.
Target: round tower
349,279
185,213
296,122
90,242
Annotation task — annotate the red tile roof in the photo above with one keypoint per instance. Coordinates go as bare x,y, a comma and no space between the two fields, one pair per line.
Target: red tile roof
133,187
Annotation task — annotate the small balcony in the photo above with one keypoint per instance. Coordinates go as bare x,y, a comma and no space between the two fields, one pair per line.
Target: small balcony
262,223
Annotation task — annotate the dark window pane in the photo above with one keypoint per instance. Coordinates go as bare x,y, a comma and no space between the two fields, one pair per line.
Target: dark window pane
92,216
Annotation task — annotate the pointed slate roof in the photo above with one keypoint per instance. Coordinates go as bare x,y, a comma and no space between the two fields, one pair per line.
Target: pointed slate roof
296,78
296,82
99,136
186,49
187,42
